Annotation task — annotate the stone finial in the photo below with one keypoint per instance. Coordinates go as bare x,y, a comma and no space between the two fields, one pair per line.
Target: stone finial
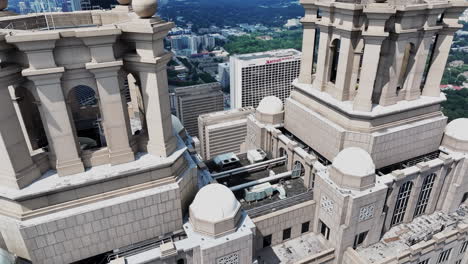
3,4
144,8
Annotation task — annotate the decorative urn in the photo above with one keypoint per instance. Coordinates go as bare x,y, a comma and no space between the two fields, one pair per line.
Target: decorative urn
145,8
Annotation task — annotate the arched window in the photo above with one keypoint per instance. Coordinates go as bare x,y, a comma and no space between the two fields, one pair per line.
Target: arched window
401,203
334,55
298,170
87,117
408,59
283,153
425,194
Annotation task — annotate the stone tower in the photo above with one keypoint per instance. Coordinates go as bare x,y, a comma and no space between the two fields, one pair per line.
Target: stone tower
370,76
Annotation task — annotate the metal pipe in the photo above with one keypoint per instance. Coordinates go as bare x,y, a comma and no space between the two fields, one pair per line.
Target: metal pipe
247,168
257,182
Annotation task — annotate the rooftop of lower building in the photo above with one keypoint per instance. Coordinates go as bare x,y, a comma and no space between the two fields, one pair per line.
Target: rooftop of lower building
261,187
421,230
310,245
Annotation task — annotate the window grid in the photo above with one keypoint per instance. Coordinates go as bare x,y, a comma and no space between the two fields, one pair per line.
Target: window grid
424,195
444,256
402,203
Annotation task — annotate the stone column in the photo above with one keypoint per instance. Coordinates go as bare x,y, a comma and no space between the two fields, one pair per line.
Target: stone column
322,71
413,88
154,84
370,64
345,67
15,99
439,60
149,64
45,74
113,111
18,169
57,119
308,48
106,68
390,92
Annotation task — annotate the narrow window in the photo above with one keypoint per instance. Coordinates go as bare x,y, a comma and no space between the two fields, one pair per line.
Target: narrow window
444,256
180,261
267,241
324,230
335,55
424,195
458,261
286,233
359,239
305,227
426,261
463,247
401,203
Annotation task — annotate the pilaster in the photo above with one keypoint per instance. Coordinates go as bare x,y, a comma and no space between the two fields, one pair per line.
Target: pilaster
113,111
106,69
308,48
18,169
57,119
370,64
439,60
149,65
323,61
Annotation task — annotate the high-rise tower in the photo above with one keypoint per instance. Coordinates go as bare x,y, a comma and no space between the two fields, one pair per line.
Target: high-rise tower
370,76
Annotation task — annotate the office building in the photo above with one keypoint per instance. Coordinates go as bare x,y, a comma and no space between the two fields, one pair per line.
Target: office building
257,75
223,75
192,101
223,132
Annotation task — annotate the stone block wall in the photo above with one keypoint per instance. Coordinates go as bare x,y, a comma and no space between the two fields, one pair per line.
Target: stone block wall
274,223
101,227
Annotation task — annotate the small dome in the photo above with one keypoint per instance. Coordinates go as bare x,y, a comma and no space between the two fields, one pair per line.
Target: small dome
458,129
214,203
354,161
176,124
270,105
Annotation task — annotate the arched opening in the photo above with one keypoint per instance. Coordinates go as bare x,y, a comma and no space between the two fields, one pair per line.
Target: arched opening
430,59
133,99
406,64
31,118
316,48
334,56
283,153
86,114
298,170
357,66
464,198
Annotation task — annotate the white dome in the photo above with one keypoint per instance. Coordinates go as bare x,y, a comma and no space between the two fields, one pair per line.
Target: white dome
354,161
214,203
458,129
270,105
